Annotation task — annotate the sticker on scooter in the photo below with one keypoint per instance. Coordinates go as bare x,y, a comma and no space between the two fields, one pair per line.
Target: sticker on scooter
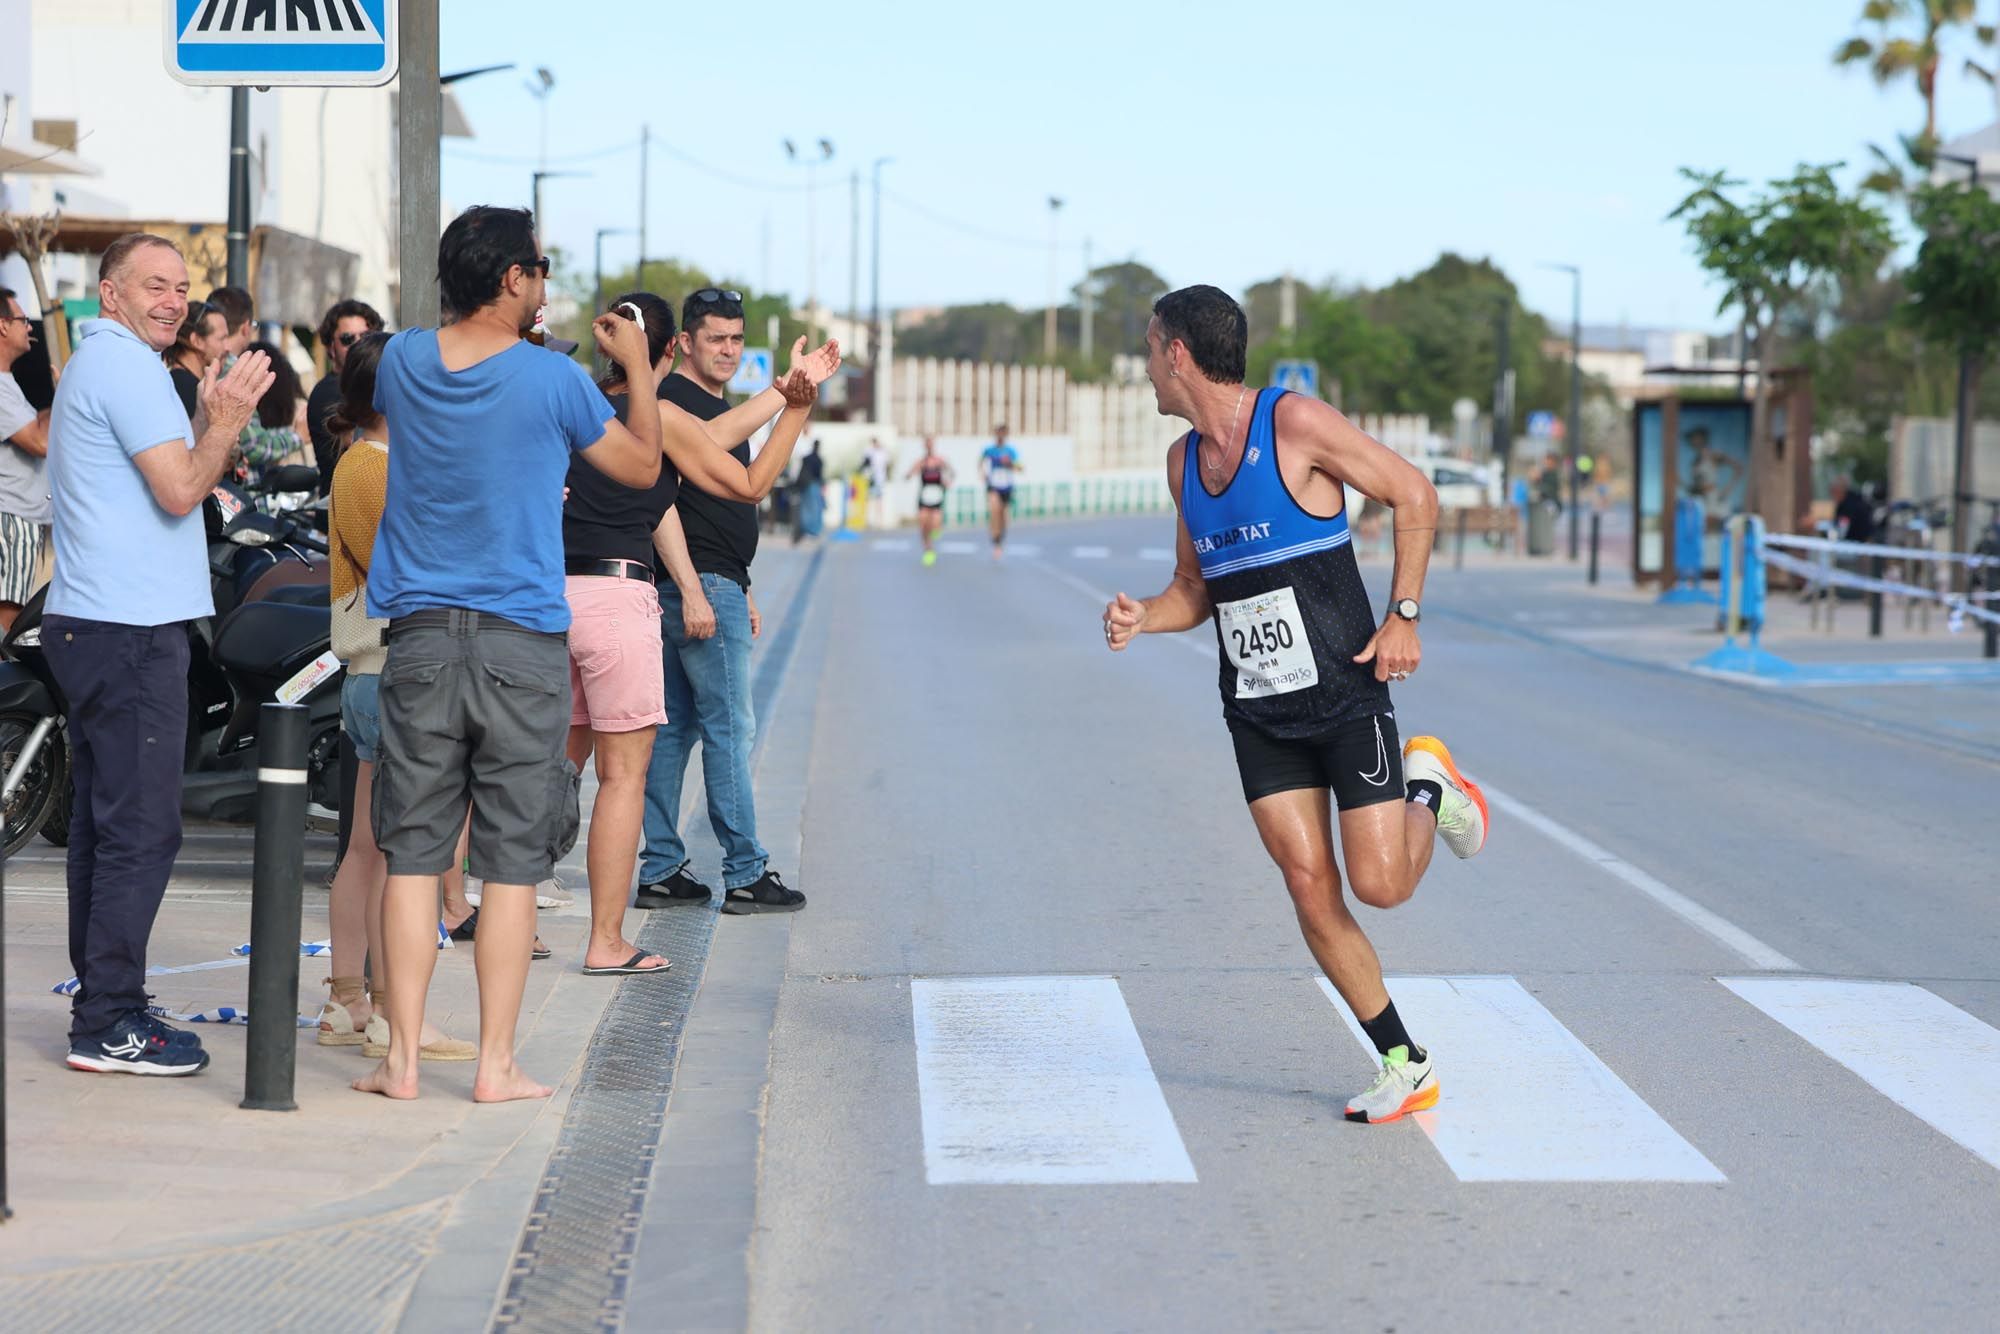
227,502
301,685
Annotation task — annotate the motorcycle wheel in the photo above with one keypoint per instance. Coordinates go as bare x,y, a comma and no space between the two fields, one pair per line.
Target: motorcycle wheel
55,829
46,780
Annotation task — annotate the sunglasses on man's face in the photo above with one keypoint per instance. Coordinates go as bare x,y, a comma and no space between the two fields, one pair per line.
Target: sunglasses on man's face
350,339
541,263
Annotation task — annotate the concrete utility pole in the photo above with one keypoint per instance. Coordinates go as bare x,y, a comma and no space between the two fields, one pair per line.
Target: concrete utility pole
875,368
1089,300
853,249
1503,397
1288,304
812,234
1573,429
239,185
645,158
597,304
419,129
1049,316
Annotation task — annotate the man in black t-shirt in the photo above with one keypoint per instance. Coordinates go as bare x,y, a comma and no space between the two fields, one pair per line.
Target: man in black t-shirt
708,618
346,323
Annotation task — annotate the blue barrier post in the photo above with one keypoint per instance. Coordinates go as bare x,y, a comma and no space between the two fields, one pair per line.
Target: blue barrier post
1690,528
1744,585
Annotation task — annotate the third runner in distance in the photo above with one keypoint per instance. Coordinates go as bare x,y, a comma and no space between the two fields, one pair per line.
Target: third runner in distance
1264,552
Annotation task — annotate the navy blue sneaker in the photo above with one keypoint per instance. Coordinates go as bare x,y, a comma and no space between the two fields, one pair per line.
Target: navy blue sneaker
174,1037
135,1046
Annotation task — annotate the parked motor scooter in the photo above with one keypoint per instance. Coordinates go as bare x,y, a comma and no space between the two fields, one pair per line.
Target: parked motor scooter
34,746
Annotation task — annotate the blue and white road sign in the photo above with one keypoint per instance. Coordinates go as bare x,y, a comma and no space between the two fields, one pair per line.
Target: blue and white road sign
1542,425
1301,377
753,373
268,42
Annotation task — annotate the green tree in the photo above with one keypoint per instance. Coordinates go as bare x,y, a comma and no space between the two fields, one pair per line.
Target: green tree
1771,253
1955,299
988,331
1908,42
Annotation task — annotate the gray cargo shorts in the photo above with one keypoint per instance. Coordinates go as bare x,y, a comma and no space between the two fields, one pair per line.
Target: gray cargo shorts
475,711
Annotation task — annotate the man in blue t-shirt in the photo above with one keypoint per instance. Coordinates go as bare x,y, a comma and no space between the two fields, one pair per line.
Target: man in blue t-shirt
998,464
126,483
468,569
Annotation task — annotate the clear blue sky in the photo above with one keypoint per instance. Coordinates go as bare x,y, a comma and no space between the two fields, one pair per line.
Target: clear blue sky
1217,143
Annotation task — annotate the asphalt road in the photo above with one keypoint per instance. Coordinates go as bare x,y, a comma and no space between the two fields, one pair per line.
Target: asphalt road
1714,1012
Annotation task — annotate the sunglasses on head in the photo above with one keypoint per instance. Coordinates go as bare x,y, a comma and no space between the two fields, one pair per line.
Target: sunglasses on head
713,296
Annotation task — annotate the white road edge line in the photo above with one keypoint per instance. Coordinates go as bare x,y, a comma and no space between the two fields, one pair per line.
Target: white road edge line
1719,929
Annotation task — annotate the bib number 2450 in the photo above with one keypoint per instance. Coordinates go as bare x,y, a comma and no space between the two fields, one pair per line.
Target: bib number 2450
1265,639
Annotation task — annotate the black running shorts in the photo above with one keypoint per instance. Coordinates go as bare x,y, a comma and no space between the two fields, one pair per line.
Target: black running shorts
1360,761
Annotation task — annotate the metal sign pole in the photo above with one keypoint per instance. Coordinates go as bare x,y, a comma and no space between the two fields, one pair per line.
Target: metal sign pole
420,127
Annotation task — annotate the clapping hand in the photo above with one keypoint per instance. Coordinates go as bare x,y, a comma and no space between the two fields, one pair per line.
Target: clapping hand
820,364
228,400
799,389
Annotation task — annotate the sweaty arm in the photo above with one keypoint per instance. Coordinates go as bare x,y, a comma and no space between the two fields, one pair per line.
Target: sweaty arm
1343,452
1184,603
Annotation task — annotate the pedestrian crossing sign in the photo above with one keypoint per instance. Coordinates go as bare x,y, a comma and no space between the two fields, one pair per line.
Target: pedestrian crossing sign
1301,377
263,43
753,373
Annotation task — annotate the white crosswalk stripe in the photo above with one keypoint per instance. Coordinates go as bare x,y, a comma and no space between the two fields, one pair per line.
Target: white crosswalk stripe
958,548
1918,1050
1091,553
1038,1080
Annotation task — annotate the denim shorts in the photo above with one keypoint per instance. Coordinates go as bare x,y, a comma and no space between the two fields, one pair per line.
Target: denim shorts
361,715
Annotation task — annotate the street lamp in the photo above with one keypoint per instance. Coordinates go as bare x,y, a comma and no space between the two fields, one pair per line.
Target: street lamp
597,304
540,176
812,232
1049,316
539,88
1575,432
875,300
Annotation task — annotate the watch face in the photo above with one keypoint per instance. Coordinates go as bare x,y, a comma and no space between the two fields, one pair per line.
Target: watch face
1407,609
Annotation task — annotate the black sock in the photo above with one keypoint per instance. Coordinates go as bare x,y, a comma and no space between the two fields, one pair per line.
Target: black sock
1426,794
1386,1031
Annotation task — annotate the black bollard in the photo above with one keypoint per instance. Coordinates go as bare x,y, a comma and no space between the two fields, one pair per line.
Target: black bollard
1596,534
5,1212
1458,561
1875,599
277,889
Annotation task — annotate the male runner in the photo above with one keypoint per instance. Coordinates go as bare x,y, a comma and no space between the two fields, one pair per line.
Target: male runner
1264,551
933,476
997,465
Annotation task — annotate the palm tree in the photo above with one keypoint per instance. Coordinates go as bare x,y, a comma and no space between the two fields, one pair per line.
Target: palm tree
1897,51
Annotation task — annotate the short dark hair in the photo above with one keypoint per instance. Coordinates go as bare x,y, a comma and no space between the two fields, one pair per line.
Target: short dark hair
658,324
694,310
476,251
198,313
347,310
1211,325
119,251
357,387
7,295
281,401
235,305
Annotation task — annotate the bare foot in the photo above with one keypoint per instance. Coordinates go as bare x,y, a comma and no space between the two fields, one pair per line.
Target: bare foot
494,1083
387,1082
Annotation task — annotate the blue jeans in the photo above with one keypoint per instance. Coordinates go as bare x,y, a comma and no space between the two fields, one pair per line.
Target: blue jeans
708,695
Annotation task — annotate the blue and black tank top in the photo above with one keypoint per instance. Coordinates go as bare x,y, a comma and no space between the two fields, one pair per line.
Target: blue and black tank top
1290,609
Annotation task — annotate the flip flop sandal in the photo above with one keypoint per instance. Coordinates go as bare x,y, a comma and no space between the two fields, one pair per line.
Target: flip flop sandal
629,968
540,951
465,929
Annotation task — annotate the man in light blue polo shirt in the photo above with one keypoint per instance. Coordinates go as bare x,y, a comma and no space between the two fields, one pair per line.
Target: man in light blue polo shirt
126,484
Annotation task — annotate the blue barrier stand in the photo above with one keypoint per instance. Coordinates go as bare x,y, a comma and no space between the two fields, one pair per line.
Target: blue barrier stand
1744,586
1690,527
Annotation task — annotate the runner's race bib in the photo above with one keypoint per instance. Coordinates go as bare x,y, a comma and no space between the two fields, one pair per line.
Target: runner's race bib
1000,478
1265,636
931,495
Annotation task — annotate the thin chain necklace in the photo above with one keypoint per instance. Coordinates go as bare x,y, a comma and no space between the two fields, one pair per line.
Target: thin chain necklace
1215,468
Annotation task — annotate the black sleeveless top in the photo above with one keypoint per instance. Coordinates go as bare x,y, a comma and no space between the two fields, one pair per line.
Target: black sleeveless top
1290,608
604,519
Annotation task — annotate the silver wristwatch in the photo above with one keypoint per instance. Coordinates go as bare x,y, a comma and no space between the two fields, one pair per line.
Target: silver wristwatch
1408,609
